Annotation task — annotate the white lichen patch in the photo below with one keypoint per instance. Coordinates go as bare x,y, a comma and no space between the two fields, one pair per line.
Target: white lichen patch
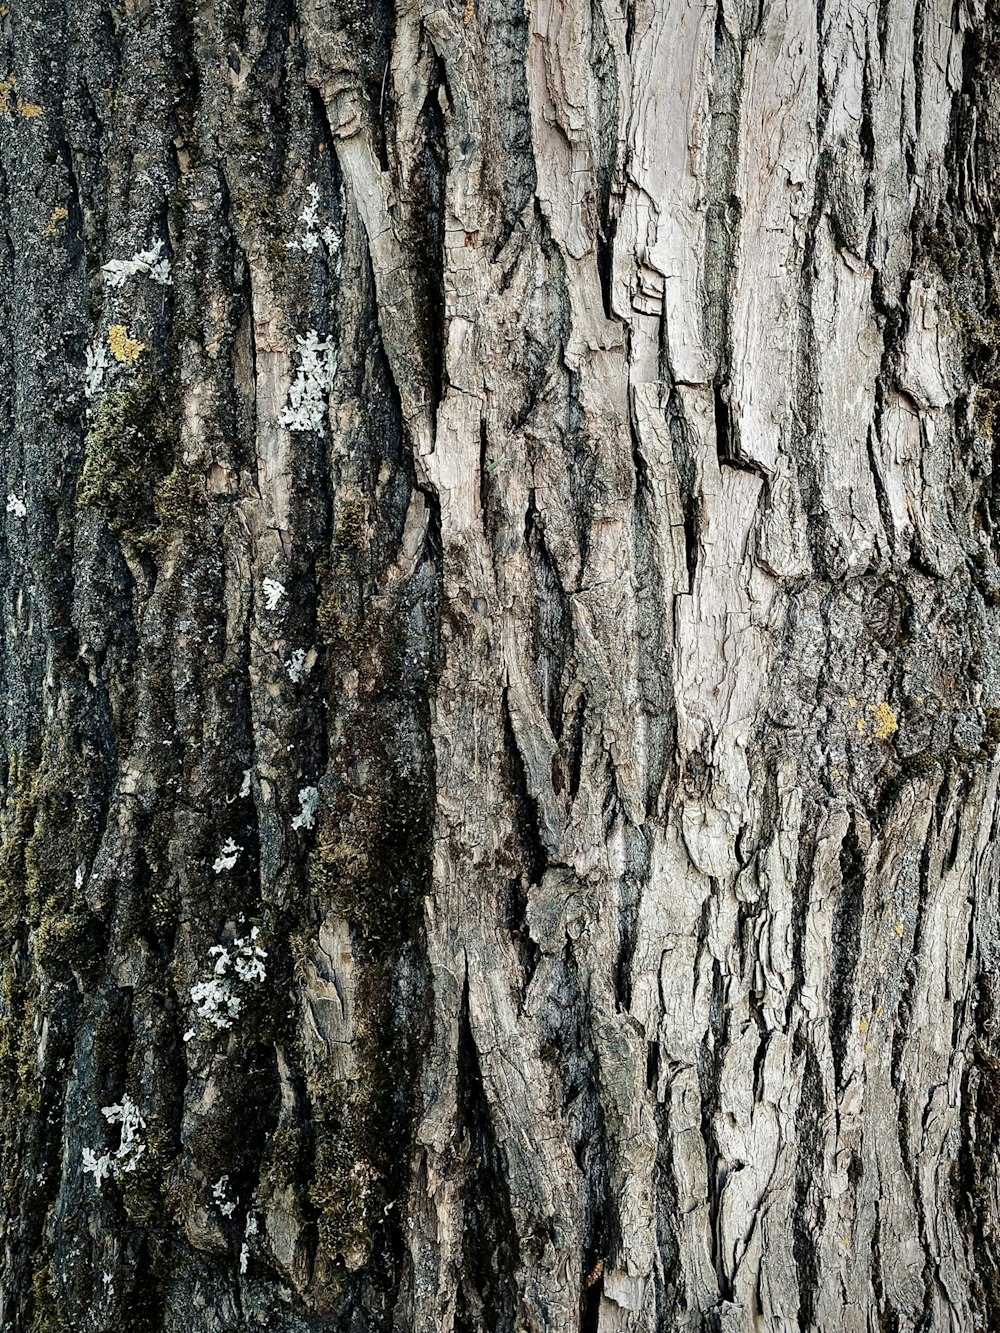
273,593
250,1230
245,789
99,1167
218,1000
215,1002
151,263
226,1206
309,802
314,379
312,232
95,369
295,665
16,506
130,1147
228,856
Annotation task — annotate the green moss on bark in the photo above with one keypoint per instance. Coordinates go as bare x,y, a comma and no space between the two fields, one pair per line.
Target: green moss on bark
129,447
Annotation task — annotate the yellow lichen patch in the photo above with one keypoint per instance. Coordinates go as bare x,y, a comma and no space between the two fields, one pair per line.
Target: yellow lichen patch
885,720
124,348
8,90
861,724
59,215
863,1026
852,702
900,929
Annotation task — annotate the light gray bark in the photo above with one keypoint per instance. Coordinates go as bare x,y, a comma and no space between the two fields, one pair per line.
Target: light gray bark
532,573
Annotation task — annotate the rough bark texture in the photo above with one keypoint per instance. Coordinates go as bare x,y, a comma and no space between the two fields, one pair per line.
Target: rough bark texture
533,560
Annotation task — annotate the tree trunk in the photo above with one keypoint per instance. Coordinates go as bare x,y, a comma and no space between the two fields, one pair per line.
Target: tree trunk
500,666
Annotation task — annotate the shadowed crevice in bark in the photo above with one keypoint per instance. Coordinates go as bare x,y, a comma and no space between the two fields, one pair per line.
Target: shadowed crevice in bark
690,502
809,1202
669,1288
427,243
509,159
723,205
487,1298
528,855
551,631
718,1169
974,1181
847,924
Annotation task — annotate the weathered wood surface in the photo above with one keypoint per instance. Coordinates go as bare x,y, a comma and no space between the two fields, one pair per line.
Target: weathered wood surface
530,557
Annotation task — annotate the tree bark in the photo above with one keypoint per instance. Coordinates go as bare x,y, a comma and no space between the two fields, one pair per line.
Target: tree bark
500,666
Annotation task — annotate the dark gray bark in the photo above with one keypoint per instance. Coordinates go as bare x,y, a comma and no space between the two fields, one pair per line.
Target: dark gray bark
500,666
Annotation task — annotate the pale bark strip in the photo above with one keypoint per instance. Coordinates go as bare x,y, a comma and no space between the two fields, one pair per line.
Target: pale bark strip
724,622
744,1172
